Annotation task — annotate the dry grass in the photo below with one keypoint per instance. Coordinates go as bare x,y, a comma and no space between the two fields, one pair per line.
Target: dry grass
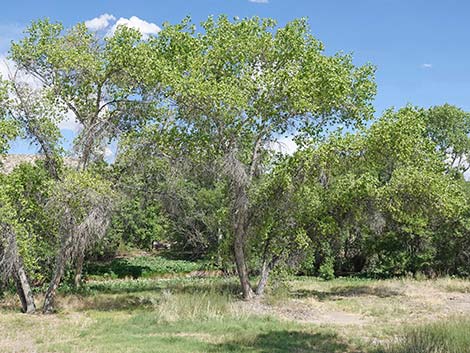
205,315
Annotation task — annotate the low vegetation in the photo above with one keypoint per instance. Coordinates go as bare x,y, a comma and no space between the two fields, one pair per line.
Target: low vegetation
206,315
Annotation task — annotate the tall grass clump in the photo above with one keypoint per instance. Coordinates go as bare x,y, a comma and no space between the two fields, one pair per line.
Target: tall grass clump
195,306
451,336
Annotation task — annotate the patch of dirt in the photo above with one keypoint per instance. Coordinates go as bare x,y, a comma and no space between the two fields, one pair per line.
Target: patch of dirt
391,302
301,311
444,302
458,303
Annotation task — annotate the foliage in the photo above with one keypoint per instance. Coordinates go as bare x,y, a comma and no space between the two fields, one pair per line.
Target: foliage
195,113
231,105
139,224
449,127
91,79
377,201
28,188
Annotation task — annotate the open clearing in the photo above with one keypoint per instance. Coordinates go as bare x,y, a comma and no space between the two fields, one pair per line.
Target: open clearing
205,315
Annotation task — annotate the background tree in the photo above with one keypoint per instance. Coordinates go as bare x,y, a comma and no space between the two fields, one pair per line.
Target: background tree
377,201
187,198
449,127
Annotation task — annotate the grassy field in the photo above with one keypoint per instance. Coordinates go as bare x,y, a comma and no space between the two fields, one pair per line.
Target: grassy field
205,315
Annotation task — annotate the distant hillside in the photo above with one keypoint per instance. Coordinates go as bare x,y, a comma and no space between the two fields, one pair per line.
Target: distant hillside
10,161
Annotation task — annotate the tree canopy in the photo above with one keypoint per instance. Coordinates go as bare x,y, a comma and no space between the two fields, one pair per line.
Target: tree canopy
196,113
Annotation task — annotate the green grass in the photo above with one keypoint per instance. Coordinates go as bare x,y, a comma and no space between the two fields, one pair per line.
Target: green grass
196,315
169,315
146,332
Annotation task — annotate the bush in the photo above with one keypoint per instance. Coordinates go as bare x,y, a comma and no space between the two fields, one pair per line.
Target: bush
327,269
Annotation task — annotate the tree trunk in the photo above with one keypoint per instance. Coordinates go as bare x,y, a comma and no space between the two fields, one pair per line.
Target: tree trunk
14,267
49,299
79,270
263,279
240,226
265,271
24,289
241,266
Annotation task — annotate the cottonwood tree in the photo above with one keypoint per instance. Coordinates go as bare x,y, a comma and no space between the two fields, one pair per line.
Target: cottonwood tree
90,80
377,201
238,86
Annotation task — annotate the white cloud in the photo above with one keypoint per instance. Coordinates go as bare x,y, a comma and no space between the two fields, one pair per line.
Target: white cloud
260,1
108,152
100,22
426,66
284,145
144,27
7,67
70,123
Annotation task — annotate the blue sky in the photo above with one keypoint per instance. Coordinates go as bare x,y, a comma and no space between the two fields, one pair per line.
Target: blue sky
421,48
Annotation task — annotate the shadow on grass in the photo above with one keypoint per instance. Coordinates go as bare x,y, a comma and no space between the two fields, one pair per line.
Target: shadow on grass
118,267
336,293
288,341
181,285
129,295
121,303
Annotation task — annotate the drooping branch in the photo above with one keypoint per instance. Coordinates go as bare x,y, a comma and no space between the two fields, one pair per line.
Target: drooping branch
77,233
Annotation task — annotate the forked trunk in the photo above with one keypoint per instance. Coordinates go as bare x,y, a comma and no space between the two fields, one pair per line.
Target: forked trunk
240,226
11,264
49,299
264,275
24,289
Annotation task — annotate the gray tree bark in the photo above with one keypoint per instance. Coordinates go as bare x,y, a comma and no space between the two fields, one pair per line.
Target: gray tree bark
240,227
49,300
79,270
24,289
11,264
264,275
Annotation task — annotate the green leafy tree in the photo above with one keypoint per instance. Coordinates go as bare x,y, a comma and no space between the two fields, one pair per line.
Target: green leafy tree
191,198
237,86
82,204
380,197
449,127
94,81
